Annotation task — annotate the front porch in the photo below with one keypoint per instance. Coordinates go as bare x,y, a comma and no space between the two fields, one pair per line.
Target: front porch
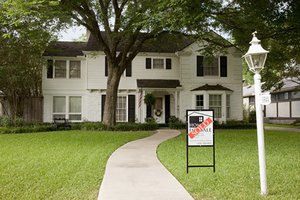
166,94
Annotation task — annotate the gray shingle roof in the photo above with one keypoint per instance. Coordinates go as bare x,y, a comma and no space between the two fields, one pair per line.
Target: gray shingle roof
158,83
68,49
164,43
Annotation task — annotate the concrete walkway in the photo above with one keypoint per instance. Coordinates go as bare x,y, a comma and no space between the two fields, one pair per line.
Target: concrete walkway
133,172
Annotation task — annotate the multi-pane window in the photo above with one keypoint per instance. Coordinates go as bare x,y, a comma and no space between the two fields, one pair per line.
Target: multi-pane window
121,109
60,69
295,95
74,108
227,106
215,103
283,96
74,71
199,102
158,63
211,67
64,69
59,107
67,107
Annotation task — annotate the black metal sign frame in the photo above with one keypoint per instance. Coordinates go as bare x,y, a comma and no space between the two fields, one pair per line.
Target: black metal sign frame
206,146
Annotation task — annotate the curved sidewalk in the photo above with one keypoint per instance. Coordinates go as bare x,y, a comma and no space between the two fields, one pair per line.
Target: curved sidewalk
133,172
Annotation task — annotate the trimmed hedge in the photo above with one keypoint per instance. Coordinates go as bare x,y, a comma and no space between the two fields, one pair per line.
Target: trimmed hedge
27,129
91,126
232,124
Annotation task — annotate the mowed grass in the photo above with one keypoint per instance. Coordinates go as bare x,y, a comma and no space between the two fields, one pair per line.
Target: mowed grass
57,165
237,170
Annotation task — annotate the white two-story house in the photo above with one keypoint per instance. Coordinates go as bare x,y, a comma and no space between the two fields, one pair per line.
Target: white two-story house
170,67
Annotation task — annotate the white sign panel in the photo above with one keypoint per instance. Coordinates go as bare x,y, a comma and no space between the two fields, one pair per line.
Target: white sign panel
265,98
200,128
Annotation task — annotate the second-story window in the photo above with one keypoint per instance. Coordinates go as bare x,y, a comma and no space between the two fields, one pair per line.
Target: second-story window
63,69
74,69
158,63
216,66
60,70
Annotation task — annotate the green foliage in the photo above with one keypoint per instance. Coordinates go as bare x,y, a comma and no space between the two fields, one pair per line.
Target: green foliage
252,116
149,99
26,27
5,121
277,24
176,123
233,124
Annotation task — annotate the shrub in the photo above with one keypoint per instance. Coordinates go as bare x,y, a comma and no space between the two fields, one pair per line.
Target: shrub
233,124
252,116
176,123
5,121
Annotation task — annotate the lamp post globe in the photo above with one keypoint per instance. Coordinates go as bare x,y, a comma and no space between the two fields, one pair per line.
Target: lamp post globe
256,55
256,58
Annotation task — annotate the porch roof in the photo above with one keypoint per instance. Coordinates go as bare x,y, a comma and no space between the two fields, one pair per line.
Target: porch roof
157,83
211,87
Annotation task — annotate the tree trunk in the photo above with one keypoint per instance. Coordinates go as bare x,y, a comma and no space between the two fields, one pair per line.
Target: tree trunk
113,79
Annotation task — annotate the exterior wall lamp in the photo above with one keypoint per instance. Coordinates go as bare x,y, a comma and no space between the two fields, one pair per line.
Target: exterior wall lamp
256,57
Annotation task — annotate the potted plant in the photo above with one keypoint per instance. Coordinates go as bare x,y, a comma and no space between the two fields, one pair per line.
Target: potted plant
149,100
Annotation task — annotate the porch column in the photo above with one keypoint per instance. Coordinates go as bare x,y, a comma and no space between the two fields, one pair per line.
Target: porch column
176,103
142,108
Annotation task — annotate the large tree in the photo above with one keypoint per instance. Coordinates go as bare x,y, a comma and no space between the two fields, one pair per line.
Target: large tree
121,27
24,35
278,25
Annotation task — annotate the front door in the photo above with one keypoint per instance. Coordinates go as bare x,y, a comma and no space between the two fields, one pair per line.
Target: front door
167,108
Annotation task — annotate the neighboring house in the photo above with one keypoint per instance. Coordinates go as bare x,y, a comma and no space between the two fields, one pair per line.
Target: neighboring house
285,103
170,67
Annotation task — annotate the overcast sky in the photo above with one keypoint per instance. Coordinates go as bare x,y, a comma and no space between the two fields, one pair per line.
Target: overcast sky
71,33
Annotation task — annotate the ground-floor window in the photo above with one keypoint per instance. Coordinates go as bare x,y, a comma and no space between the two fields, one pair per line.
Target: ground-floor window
215,103
75,108
121,109
68,107
199,102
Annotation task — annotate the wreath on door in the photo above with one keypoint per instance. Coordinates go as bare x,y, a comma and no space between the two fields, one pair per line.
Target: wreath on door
158,113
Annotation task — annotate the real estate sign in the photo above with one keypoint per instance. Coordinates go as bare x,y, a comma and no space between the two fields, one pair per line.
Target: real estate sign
200,130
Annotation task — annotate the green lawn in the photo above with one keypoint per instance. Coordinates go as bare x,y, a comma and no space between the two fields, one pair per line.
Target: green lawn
57,165
237,171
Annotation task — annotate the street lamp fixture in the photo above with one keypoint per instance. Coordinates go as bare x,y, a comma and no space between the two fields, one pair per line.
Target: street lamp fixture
256,58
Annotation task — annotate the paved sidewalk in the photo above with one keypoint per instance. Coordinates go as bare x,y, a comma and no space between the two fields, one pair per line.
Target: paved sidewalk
133,172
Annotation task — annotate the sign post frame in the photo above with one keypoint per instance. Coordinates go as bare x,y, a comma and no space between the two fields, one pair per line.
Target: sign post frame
213,165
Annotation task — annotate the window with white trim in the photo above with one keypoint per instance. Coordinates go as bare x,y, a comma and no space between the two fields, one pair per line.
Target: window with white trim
211,67
69,107
199,102
121,111
75,71
215,103
158,63
63,69
59,107
60,69
75,108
